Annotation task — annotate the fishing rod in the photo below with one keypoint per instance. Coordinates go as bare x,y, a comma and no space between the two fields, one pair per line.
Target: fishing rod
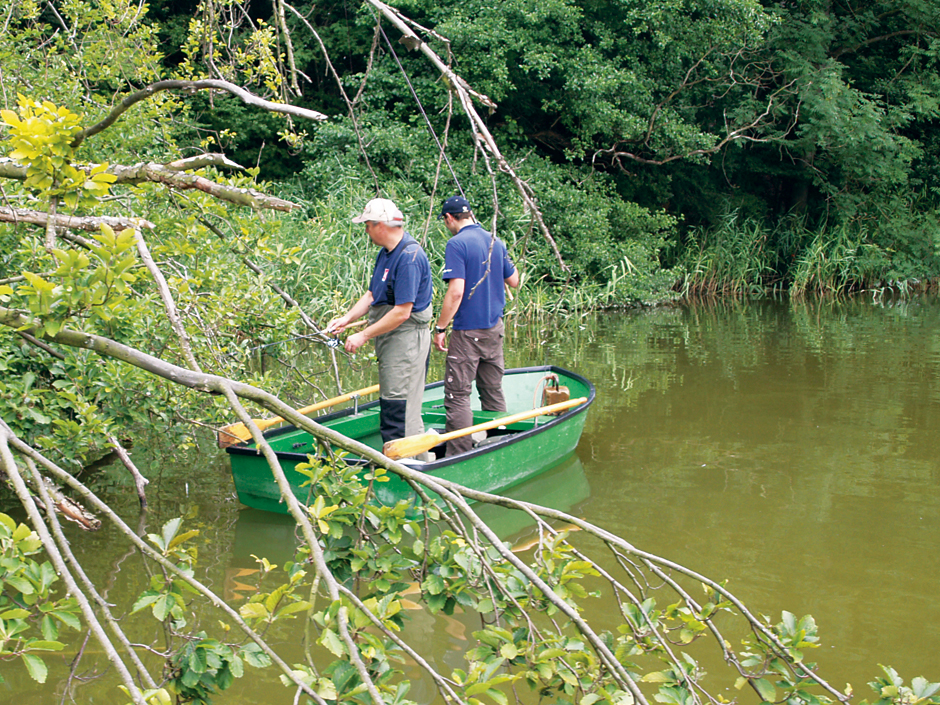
319,336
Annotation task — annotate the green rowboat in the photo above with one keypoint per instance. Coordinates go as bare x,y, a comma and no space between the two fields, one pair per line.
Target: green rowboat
506,457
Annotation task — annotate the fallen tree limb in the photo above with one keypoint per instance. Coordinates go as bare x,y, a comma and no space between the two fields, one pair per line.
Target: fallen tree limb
481,133
88,223
192,87
172,177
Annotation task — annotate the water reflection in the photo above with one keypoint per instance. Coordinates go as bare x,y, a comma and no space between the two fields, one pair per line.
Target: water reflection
273,536
787,447
441,638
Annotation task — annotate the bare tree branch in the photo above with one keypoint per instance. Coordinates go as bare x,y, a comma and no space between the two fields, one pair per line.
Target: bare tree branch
192,87
203,160
89,223
172,177
742,134
342,90
480,131
167,298
140,482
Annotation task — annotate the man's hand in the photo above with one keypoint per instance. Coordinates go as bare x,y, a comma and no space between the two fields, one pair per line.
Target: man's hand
337,325
356,341
439,340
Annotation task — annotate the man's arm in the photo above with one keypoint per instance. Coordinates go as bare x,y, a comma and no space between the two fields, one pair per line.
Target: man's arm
357,311
389,322
452,298
513,279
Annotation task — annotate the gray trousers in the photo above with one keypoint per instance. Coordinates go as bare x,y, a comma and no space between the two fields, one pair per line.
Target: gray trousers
472,355
402,355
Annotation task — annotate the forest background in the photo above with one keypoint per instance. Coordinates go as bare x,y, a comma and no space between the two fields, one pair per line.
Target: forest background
178,178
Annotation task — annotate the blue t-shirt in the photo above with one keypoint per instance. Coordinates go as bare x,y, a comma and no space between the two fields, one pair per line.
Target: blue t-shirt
402,276
466,258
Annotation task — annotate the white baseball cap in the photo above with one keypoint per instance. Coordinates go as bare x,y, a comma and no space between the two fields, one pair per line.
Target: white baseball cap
381,210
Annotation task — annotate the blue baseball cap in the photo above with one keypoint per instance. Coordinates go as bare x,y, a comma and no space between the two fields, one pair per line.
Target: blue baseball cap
453,205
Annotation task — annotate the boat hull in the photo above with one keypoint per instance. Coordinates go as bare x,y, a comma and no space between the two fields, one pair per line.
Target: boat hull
507,457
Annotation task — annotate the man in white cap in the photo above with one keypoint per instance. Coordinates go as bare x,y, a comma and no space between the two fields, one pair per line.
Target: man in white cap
476,268
398,303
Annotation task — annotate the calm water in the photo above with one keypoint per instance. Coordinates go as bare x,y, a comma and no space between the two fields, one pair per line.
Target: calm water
787,448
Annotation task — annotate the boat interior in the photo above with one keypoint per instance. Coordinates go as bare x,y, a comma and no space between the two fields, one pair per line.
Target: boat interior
363,426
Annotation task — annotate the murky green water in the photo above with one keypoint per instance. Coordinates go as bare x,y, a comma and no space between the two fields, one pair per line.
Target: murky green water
788,448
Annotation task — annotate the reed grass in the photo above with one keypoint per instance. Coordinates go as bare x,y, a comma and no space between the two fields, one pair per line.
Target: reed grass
731,259
742,257
836,262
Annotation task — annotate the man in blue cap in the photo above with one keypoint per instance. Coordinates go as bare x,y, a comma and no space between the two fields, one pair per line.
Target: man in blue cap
476,269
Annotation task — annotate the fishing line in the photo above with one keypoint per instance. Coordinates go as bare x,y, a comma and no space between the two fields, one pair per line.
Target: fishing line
330,343
414,94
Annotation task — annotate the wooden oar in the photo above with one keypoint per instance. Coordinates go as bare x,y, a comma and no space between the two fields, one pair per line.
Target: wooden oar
420,442
238,432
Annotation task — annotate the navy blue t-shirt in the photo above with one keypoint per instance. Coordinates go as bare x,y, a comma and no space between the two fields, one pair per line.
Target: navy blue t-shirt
466,258
402,276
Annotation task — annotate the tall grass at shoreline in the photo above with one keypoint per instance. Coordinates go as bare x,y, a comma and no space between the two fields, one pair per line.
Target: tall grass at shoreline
743,256
333,258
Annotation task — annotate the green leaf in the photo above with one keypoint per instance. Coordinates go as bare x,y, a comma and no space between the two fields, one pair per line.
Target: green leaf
46,645
253,610
293,607
5,520
163,606
344,677
15,614
923,688
331,641
498,695
765,689
67,618
434,584
181,538
254,656
36,667
237,666
20,584
550,654
49,628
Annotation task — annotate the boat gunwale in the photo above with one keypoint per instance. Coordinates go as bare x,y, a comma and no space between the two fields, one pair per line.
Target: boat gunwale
434,465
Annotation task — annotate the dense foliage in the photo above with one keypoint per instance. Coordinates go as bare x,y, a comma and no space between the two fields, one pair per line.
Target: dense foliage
809,126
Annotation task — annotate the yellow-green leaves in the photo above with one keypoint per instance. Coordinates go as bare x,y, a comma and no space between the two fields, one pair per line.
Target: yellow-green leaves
155,696
281,603
319,511
41,136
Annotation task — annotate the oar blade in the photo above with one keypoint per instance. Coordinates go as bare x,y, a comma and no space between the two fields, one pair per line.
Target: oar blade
410,446
232,434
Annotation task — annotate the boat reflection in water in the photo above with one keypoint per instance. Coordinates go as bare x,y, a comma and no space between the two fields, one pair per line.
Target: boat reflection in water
272,536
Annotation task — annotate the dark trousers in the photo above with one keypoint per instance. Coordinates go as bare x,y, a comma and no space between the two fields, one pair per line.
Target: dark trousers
472,356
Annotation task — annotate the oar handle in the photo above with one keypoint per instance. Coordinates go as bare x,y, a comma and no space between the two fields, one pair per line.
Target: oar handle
238,432
506,420
265,423
413,445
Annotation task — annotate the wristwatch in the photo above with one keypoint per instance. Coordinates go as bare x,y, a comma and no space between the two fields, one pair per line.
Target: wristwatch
438,329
